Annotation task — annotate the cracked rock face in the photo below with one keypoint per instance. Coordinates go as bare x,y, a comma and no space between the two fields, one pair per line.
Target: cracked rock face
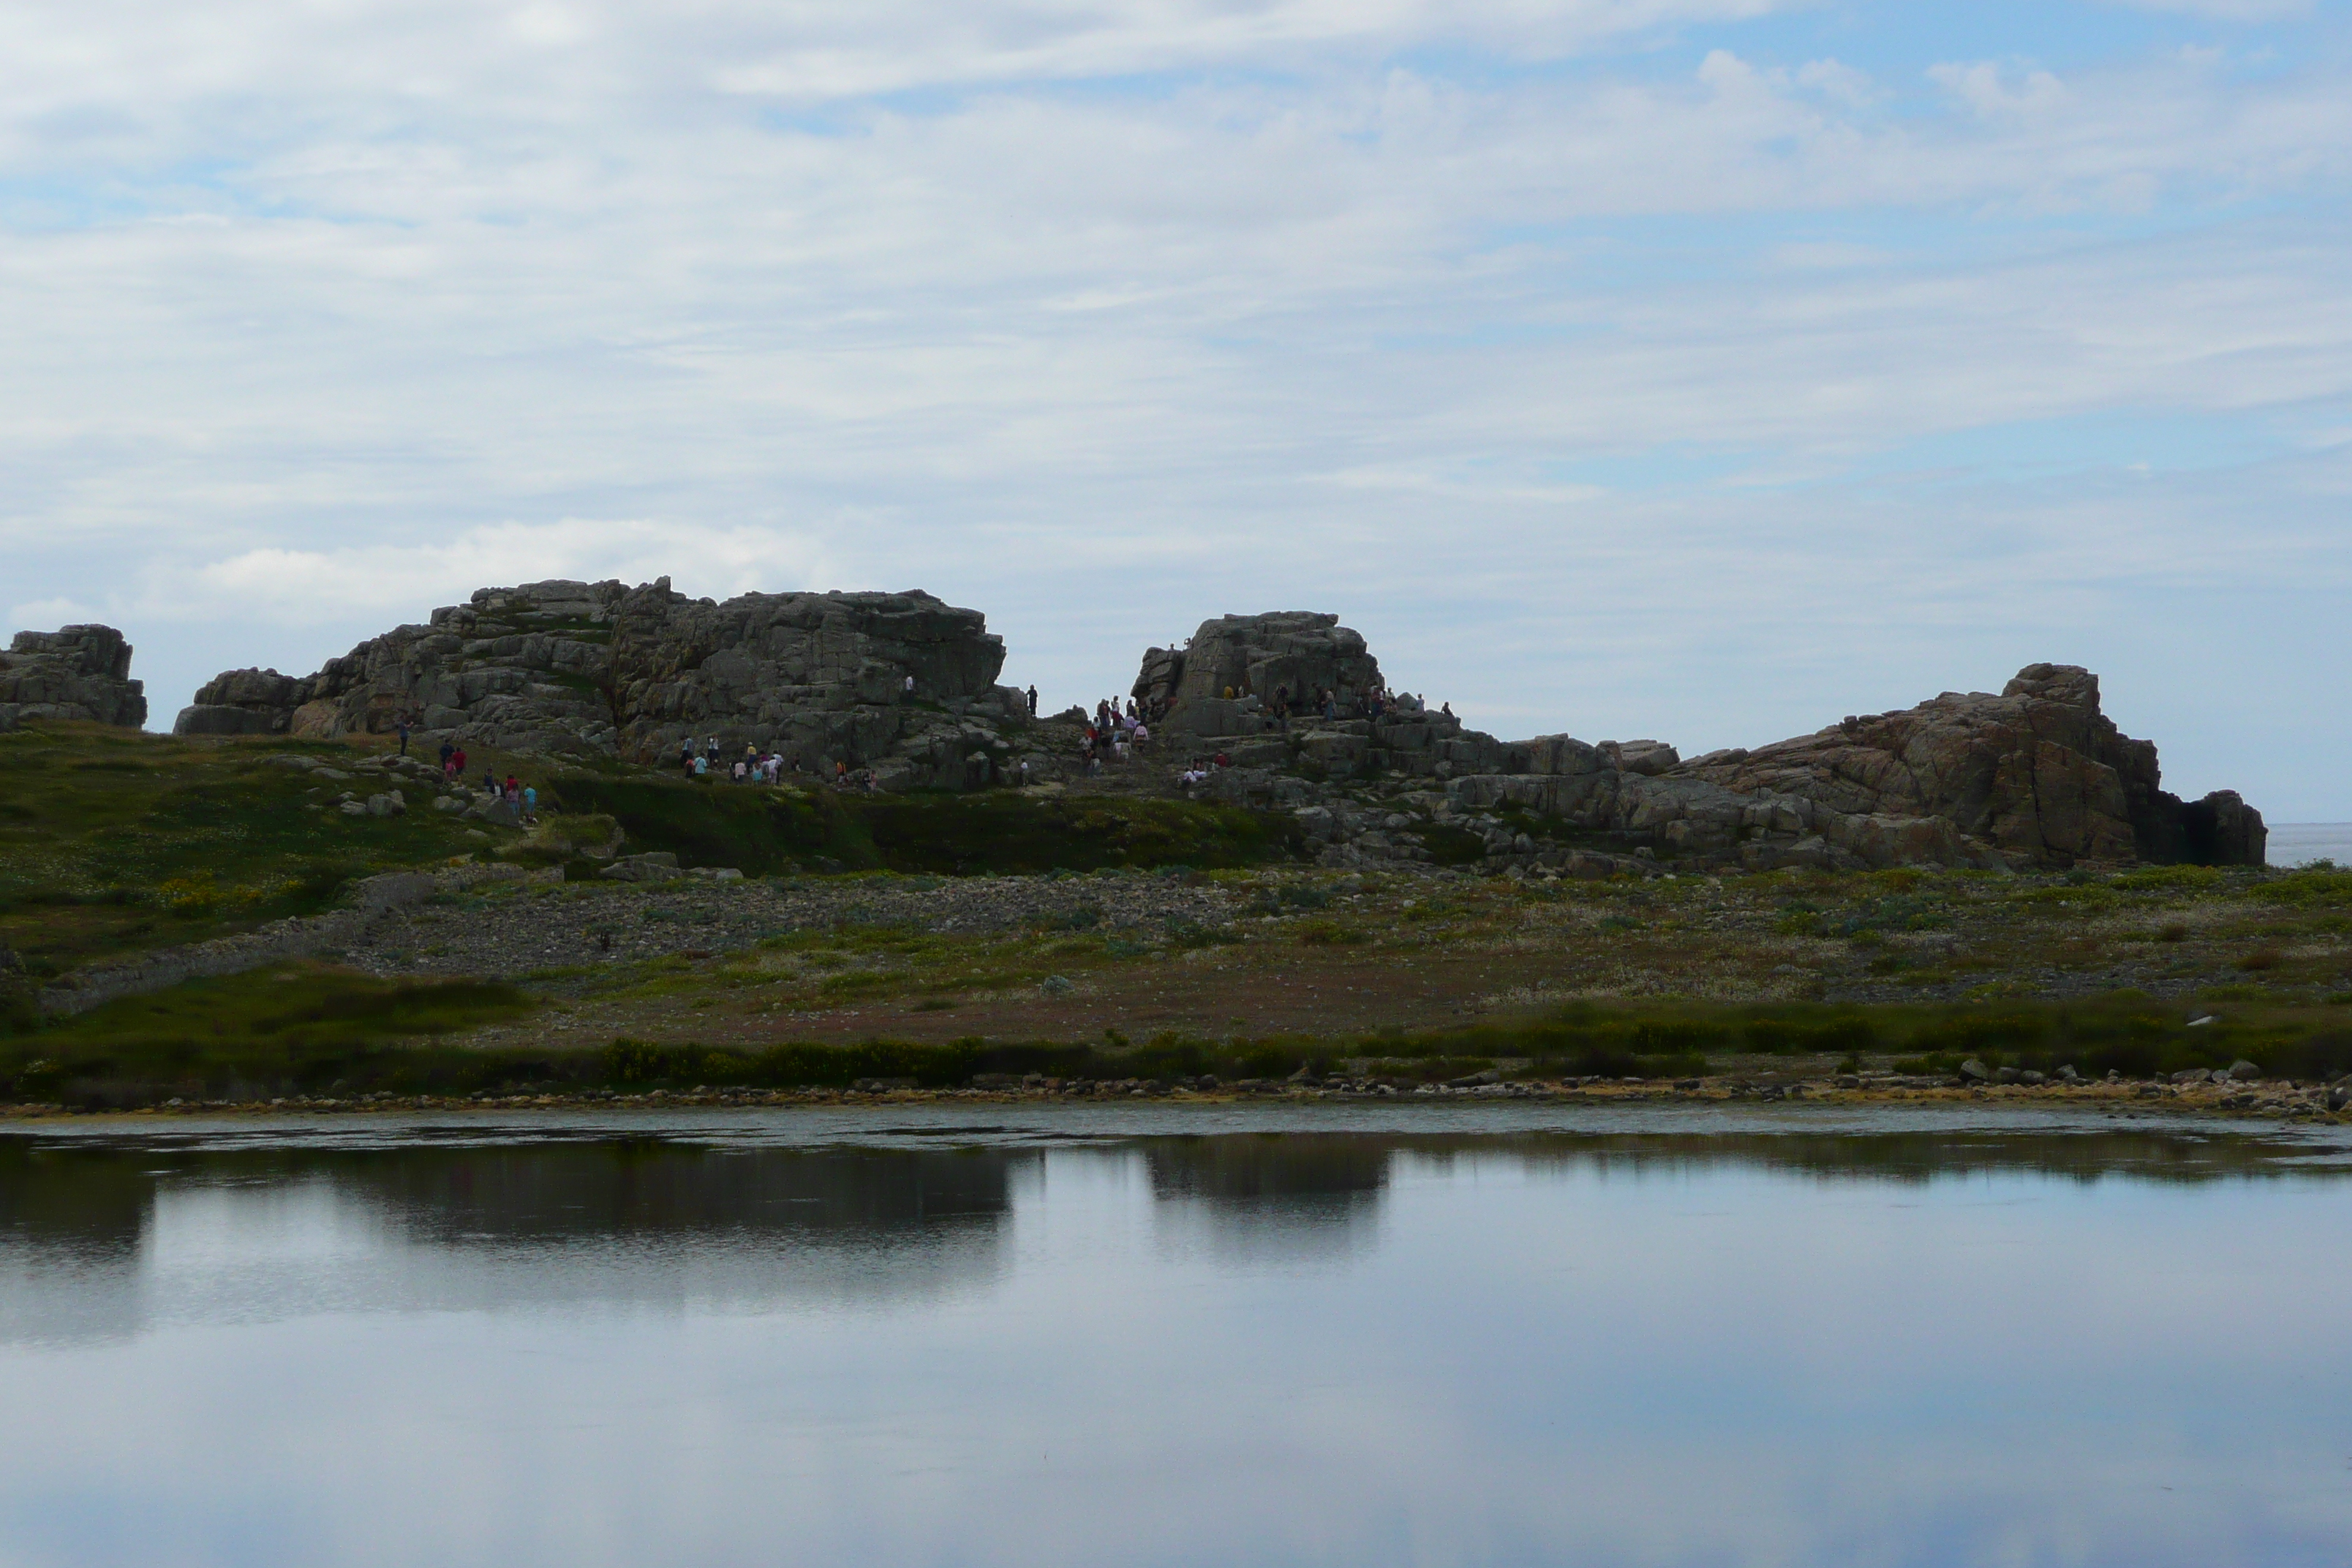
76,673
1254,657
598,668
2037,774
2035,777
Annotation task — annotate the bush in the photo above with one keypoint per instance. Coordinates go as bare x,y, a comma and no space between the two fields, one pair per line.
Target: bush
2311,885
2168,878
1781,1036
1670,1038
1978,1035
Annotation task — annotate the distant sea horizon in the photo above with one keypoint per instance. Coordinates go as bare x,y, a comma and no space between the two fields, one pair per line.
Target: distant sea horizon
2301,842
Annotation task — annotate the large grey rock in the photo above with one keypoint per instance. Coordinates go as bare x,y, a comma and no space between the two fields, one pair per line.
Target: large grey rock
241,702
1256,659
598,668
655,866
2037,775
77,672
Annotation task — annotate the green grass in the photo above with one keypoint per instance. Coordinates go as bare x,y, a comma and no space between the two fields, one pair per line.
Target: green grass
766,831
313,1029
112,841
299,1028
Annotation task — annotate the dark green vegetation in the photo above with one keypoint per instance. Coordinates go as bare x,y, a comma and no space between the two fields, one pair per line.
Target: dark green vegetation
291,1029
313,1030
1195,944
112,841
763,832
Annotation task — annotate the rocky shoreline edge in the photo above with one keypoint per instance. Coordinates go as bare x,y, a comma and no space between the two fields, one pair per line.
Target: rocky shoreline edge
2278,1100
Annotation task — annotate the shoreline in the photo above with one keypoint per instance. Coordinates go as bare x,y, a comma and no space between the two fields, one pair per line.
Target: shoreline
2279,1101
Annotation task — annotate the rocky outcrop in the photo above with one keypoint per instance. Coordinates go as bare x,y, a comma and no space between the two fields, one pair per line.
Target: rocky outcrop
1230,678
77,672
241,702
2036,776
901,683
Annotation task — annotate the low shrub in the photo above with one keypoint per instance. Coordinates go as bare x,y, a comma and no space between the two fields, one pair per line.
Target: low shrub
1783,1037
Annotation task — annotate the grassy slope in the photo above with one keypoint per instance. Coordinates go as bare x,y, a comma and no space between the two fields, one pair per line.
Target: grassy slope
765,831
286,1029
112,841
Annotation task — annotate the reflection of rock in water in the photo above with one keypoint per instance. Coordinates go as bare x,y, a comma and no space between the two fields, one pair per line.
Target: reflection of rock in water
70,1222
649,1221
98,1240
1911,1156
648,1186
1273,1194
638,1222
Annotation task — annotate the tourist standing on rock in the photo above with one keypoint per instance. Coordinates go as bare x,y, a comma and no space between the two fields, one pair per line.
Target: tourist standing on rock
1032,703
531,802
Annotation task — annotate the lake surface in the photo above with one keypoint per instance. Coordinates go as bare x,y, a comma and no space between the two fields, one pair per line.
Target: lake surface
1488,1334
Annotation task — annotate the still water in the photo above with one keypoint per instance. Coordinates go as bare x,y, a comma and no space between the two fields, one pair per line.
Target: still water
1495,1335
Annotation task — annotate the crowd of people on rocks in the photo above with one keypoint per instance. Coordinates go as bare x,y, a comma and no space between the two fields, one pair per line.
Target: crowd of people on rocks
709,760
1119,730
1116,732
510,790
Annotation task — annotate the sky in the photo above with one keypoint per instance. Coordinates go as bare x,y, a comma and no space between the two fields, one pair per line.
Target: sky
1703,370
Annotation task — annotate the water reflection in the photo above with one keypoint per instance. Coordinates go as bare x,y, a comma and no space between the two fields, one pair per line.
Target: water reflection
96,1241
98,1238
1161,1346
1285,1196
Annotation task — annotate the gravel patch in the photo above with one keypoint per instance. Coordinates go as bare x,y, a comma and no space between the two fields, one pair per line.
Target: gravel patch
514,932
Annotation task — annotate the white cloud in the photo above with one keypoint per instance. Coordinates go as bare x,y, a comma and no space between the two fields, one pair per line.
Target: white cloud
310,587
47,615
318,318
